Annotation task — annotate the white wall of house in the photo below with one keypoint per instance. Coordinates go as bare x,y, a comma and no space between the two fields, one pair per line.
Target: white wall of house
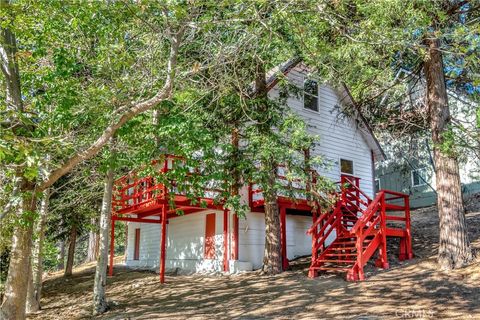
186,239
251,237
339,136
185,243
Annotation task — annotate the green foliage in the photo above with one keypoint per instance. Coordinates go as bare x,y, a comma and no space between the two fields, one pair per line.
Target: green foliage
50,255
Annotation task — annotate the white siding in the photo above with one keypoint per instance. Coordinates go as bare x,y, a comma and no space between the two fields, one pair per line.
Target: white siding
185,243
251,237
339,137
149,244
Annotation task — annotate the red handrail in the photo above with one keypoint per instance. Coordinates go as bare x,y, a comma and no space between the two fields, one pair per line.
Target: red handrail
368,213
145,190
353,186
331,221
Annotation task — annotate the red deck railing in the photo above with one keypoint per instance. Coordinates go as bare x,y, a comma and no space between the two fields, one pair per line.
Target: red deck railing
134,193
295,190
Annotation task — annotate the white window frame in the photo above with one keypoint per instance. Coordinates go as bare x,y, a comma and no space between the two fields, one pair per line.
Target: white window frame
422,181
316,96
340,166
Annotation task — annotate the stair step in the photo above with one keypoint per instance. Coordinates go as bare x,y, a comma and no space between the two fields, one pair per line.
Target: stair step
336,261
342,248
340,254
352,237
331,269
352,242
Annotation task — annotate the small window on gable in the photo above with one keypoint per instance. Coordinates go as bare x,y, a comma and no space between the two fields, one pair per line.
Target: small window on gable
310,94
419,177
346,166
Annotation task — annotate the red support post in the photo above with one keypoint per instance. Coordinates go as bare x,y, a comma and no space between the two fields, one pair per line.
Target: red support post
235,238
163,244
360,262
408,239
283,227
312,273
225,240
314,235
112,247
163,251
382,261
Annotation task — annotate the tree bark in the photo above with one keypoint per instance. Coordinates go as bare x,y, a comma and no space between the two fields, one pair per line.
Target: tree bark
32,304
93,243
16,286
35,284
9,67
71,251
99,298
272,257
454,246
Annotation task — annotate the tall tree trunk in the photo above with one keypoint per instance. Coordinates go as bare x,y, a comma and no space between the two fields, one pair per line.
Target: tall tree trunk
35,283
93,242
454,246
99,298
61,255
16,286
272,257
71,251
9,66
32,304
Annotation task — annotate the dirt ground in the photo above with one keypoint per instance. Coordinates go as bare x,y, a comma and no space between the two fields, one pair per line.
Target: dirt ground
413,289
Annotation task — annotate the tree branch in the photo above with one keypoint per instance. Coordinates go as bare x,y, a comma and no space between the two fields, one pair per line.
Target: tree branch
130,112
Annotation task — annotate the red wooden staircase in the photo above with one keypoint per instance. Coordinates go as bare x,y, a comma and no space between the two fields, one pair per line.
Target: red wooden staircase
345,238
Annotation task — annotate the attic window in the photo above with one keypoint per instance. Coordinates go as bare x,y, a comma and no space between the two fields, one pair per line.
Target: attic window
346,166
310,94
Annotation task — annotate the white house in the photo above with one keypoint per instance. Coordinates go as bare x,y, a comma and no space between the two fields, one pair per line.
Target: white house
209,240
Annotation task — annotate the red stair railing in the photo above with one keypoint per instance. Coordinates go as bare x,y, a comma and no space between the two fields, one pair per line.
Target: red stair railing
361,221
370,224
322,228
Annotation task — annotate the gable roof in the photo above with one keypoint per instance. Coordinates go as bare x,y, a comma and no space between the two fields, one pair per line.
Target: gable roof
345,95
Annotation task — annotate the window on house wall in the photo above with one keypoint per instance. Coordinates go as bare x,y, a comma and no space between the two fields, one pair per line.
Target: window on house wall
136,248
210,236
310,94
419,177
346,166
377,185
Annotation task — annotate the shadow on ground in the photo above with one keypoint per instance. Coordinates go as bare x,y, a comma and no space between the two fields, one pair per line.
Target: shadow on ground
411,289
